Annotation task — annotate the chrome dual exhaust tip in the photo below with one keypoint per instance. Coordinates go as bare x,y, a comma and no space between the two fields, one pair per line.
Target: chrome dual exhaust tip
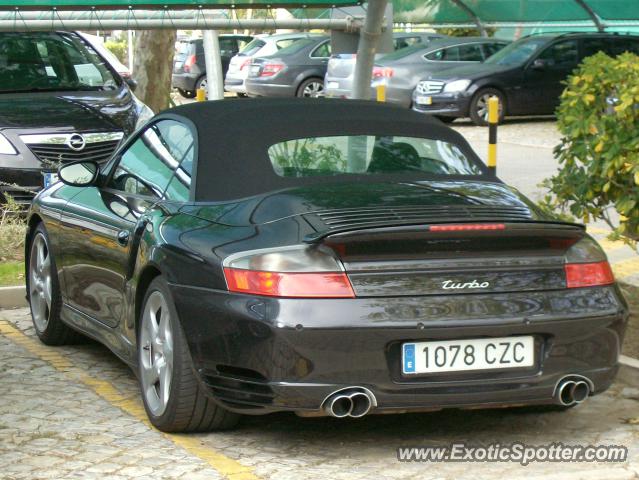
354,402
572,391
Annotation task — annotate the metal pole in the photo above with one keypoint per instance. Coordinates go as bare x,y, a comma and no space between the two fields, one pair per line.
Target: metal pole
368,38
493,120
473,15
214,77
129,37
195,23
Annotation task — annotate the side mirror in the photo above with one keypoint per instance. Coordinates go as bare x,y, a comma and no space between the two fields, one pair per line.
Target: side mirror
79,174
539,64
133,85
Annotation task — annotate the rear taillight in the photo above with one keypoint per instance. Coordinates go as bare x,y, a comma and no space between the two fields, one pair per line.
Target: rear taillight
299,271
467,227
246,63
190,61
588,274
382,72
587,265
270,69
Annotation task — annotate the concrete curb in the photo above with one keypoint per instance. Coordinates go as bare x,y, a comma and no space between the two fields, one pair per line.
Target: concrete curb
13,297
628,370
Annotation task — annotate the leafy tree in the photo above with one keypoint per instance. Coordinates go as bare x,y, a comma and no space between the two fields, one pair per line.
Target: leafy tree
599,151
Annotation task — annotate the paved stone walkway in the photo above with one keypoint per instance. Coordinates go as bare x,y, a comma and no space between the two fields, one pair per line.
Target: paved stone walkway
74,412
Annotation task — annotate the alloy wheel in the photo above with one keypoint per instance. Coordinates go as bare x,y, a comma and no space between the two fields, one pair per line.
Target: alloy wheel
313,90
40,289
156,353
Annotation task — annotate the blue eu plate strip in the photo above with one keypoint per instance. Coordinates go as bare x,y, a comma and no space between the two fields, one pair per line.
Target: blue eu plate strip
409,358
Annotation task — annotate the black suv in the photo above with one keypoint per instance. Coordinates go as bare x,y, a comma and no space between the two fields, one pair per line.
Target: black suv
527,76
60,101
189,66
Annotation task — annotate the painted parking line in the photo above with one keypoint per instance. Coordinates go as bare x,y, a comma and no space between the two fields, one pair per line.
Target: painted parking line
626,268
226,466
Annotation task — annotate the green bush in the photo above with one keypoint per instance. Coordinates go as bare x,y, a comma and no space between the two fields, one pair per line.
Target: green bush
599,150
119,49
12,231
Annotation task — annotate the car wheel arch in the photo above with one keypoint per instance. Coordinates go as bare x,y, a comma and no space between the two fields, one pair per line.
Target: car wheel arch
491,86
306,78
32,225
146,276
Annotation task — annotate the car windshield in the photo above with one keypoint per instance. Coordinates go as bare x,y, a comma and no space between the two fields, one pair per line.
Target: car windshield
369,155
518,52
297,45
51,62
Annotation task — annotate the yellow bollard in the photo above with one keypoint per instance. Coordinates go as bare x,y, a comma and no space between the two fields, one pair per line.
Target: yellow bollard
200,95
381,92
493,120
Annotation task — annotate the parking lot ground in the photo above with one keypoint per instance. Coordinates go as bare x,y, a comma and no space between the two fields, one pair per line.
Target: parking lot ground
74,412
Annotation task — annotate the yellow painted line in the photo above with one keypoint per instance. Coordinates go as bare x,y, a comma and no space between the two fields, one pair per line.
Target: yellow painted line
611,245
226,466
626,268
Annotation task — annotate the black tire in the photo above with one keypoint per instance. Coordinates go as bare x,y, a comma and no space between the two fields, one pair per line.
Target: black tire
318,91
188,408
446,119
478,113
43,284
186,93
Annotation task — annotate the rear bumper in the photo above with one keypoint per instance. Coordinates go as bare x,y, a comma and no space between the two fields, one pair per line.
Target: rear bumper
259,355
258,89
445,104
184,81
236,85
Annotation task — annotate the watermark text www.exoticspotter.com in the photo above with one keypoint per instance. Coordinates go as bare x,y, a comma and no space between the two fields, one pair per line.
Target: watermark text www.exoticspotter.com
514,452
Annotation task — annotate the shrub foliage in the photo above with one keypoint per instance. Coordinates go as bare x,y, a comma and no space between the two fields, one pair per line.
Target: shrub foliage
598,155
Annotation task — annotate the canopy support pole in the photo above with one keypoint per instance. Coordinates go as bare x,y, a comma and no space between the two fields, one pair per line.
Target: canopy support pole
591,13
213,60
473,15
368,39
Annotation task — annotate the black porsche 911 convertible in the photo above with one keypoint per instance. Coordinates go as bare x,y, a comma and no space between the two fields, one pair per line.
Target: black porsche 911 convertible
337,258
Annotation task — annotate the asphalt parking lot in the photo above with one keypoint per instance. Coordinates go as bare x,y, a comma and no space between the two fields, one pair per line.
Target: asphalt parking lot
75,411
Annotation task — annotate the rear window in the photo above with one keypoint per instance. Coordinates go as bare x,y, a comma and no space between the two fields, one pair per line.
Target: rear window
252,47
281,44
368,154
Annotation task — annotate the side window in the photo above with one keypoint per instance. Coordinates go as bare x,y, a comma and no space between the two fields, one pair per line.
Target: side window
435,56
591,46
285,43
147,166
621,45
228,46
470,53
491,49
451,54
561,55
323,51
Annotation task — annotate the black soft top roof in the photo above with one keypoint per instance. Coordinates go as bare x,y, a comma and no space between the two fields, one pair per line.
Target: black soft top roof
233,137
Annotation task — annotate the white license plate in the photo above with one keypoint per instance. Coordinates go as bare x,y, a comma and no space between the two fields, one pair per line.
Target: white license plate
422,100
461,355
50,179
332,85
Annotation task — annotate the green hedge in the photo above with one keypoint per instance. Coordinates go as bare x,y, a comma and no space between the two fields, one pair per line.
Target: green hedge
599,150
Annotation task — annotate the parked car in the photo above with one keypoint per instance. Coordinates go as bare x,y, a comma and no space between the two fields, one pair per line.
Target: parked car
108,55
189,66
402,70
363,262
338,81
260,46
295,71
527,76
60,101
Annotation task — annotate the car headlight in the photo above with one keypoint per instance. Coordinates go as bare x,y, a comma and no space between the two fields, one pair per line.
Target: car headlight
5,146
144,114
457,86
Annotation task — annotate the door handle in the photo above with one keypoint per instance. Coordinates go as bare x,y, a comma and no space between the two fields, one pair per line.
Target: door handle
123,237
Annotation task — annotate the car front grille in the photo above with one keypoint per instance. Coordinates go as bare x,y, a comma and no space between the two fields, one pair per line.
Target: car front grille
429,87
357,218
64,148
21,195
